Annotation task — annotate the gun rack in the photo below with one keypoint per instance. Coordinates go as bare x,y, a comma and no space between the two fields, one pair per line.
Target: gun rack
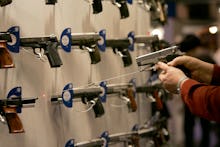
24,102
94,90
106,89
118,137
79,92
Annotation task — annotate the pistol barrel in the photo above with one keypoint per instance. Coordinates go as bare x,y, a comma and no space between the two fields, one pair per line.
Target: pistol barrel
146,39
114,43
84,38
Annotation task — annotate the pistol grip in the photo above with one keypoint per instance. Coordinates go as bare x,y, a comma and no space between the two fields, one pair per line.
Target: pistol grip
97,6
98,107
162,13
13,120
135,140
132,99
6,60
95,56
159,103
124,10
126,58
52,55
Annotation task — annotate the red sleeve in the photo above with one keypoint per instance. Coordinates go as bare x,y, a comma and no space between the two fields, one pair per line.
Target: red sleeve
202,100
216,75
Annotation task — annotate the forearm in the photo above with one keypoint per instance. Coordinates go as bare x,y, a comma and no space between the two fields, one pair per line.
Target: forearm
202,100
202,71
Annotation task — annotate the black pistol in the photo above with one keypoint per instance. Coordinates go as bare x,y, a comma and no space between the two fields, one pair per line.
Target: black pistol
94,100
158,11
90,41
50,2
49,44
5,2
97,6
123,8
122,48
91,96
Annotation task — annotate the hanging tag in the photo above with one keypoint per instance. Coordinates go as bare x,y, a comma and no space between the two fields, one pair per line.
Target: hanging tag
102,41
105,137
131,40
67,95
130,1
16,93
70,143
65,40
103,95
15,36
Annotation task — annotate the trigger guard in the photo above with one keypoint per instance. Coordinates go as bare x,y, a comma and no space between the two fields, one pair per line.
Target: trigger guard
36,53
84,100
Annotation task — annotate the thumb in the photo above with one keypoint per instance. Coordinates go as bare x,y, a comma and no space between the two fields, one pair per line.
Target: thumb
163,66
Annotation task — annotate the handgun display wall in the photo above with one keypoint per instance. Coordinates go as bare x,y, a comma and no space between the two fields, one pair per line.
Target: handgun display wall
69,75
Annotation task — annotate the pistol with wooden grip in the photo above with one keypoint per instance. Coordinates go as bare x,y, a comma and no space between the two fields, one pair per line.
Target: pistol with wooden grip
131,95
9,109
157,9
13,120
126,92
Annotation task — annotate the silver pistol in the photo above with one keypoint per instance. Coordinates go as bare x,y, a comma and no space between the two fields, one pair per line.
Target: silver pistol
154,57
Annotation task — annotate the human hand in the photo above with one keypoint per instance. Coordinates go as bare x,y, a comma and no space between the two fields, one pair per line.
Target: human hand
170,77
199,70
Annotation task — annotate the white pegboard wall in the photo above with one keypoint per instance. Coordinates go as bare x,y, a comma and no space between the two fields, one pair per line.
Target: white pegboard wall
47,124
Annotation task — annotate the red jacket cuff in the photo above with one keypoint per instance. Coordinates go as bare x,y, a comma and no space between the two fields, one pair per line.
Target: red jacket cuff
185,88
216,75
